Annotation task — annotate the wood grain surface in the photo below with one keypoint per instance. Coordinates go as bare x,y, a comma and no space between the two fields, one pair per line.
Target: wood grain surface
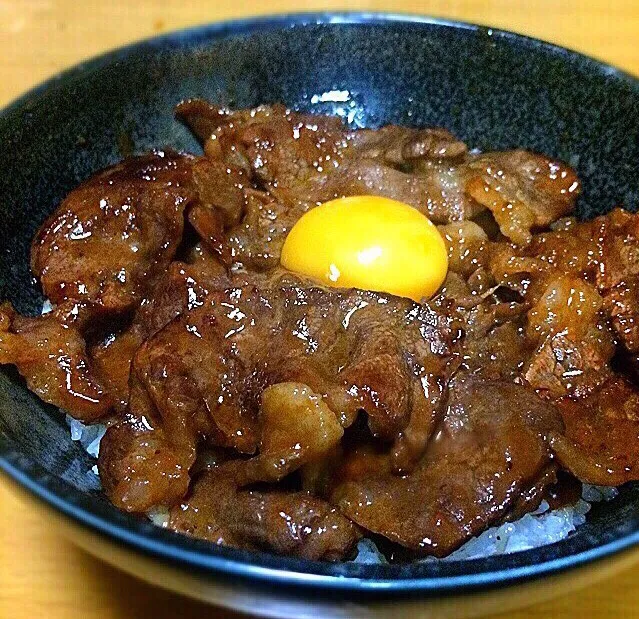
43,575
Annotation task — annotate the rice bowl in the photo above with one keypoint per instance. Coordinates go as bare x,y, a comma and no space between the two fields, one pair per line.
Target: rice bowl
574,541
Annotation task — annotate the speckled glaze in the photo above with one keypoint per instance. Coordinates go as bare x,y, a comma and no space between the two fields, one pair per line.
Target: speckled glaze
492,89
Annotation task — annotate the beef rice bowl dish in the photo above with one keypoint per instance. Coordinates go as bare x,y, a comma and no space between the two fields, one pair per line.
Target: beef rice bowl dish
340,344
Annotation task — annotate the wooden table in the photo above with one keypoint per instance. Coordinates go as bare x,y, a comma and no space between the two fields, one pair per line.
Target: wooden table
42,575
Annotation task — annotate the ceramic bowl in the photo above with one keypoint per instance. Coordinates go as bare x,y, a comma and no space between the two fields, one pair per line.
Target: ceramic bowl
493,89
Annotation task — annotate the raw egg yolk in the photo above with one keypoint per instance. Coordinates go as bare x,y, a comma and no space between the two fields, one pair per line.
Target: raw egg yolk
371,243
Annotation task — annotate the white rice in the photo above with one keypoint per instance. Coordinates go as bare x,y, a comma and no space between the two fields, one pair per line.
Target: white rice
159,516
89,436
532,530
535,529
367,552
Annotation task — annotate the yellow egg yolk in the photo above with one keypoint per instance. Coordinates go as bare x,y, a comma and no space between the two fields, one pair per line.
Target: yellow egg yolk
371,243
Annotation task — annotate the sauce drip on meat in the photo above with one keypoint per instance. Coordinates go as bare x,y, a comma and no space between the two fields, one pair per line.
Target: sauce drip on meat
268,413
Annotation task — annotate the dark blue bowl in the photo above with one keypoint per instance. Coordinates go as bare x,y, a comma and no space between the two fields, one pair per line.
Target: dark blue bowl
491,88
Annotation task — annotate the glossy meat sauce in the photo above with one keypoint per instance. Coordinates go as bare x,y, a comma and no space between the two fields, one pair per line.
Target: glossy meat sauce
265,412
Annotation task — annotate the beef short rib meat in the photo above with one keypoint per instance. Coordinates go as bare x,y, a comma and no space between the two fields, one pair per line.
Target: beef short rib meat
204,374
522,190
50,352
601,442
289,523
139,468
296,161
297,428
491,446
114,236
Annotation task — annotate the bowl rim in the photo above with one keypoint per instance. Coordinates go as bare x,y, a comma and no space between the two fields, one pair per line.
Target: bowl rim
263,568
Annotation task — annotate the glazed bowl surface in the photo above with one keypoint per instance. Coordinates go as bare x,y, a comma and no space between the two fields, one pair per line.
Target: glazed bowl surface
493,89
